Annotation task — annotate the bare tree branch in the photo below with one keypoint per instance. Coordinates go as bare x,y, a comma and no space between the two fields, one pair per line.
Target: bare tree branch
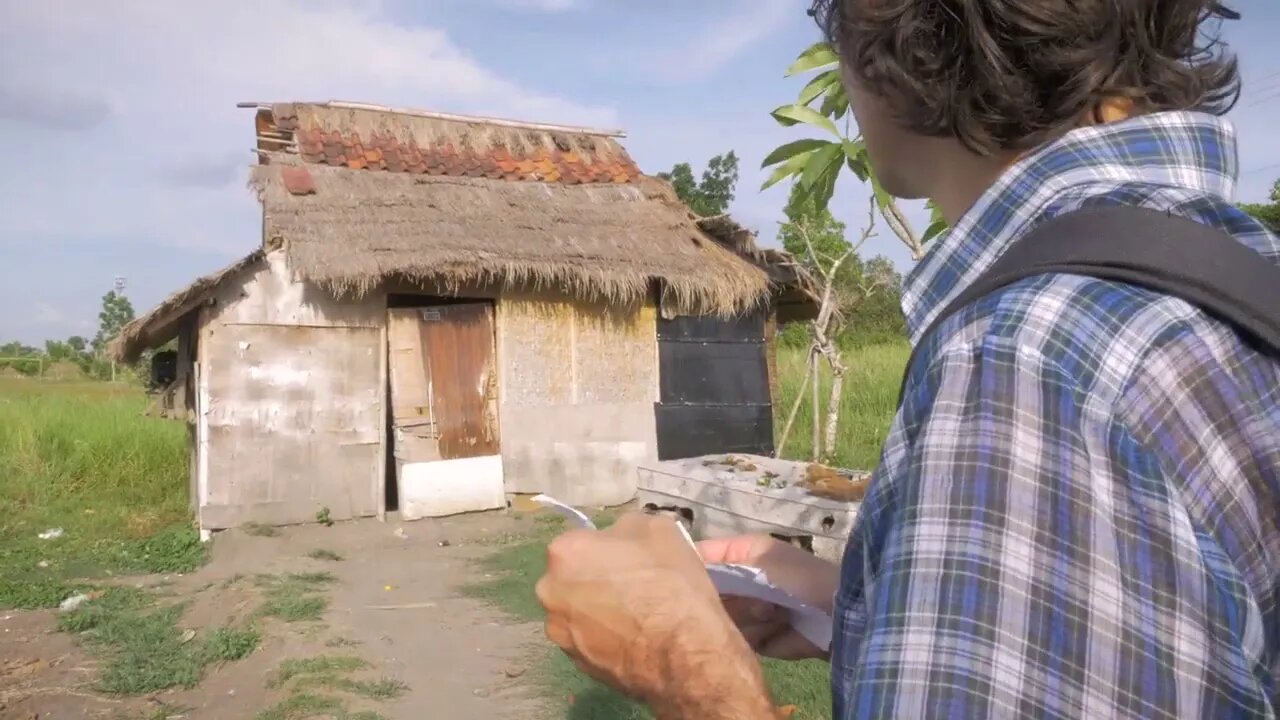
897,221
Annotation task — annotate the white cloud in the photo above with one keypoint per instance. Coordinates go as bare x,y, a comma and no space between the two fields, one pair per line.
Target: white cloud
543,5
151,86
710,49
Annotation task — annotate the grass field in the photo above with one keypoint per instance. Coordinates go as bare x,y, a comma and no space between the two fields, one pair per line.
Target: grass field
870,398
80,457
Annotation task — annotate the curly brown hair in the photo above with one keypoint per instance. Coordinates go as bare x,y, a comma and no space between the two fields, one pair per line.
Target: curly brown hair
1011,74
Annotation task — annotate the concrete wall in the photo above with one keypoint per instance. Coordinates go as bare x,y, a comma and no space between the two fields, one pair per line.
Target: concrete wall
577,383
290,415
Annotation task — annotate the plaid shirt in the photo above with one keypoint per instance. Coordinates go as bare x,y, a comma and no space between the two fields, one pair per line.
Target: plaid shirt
1077,511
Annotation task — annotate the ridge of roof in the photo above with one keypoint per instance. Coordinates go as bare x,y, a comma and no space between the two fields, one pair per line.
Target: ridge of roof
368,137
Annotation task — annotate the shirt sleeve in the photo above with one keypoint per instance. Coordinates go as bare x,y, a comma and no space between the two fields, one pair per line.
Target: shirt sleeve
983,580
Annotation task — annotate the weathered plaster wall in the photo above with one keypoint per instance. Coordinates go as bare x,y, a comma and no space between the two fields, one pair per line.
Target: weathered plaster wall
291,411
577,385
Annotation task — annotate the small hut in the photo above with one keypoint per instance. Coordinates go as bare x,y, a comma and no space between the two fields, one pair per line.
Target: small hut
446,311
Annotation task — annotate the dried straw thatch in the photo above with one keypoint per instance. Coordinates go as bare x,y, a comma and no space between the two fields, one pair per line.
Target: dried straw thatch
608,242
160,324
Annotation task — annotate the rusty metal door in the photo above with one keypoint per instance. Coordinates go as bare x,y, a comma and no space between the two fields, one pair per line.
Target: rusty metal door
458,343
444,403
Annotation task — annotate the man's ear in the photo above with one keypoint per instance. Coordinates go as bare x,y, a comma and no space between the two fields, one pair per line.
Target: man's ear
1111,109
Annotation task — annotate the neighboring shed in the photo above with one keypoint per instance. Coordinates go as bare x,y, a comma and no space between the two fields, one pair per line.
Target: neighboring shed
446,311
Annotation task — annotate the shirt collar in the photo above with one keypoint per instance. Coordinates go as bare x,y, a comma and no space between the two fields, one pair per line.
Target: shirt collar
1188,150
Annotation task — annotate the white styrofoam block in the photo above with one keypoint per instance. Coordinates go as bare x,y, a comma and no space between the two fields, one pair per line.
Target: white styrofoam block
449,487
704,486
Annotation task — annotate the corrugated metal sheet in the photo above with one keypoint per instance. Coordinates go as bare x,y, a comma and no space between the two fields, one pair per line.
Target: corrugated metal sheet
714,391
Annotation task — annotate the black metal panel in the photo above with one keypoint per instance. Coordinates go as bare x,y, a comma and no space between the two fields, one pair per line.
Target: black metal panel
746,328
692,430
713,373
713,387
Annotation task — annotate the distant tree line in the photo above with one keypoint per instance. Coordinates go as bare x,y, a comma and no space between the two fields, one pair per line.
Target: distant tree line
870,288
1268,213
88,355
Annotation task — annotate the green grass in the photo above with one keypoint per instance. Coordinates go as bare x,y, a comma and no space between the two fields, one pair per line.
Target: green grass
164,711
327,665
81,457
295,598
330,673
323,554
141,647
867,407
301,706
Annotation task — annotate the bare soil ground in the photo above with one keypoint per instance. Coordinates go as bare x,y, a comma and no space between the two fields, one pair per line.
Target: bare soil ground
396,604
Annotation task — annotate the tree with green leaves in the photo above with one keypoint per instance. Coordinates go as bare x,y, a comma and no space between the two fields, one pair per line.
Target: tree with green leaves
817,240
869,290
815,164
116,312
1267,213
712,195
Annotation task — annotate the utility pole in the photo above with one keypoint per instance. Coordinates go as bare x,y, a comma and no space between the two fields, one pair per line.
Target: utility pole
119,284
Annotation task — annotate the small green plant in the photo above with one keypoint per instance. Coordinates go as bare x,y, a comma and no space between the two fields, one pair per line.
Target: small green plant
226,644
323,517
323,554
304,705
331,673
296,597
327,665
165,711
381,689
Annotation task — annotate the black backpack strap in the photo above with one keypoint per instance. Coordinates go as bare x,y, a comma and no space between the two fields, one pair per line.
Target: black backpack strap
1202,265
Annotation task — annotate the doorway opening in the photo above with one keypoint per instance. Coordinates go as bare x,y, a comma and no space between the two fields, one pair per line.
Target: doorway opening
442,430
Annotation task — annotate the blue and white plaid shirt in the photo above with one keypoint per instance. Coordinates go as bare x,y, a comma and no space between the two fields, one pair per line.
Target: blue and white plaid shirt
1077,511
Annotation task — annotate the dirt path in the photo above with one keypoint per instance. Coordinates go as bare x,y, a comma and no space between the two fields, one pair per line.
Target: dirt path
396,604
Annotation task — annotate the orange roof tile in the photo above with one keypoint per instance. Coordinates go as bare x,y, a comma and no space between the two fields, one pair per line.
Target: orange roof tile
384,151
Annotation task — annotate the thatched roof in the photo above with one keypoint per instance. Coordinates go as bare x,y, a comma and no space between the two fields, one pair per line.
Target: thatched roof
357,196
378,194
609,242
161,324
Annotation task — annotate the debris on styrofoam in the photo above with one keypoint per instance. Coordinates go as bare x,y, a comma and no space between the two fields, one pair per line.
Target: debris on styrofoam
51,534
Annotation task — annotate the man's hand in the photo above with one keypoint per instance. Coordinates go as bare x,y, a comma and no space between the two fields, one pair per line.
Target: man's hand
633,607
766,626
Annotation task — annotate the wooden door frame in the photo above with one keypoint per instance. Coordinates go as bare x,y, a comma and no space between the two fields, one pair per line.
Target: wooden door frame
396,301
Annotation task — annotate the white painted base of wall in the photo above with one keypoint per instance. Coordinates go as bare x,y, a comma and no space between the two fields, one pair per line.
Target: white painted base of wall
449,487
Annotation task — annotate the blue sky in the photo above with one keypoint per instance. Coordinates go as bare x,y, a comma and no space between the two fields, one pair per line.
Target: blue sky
124,154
